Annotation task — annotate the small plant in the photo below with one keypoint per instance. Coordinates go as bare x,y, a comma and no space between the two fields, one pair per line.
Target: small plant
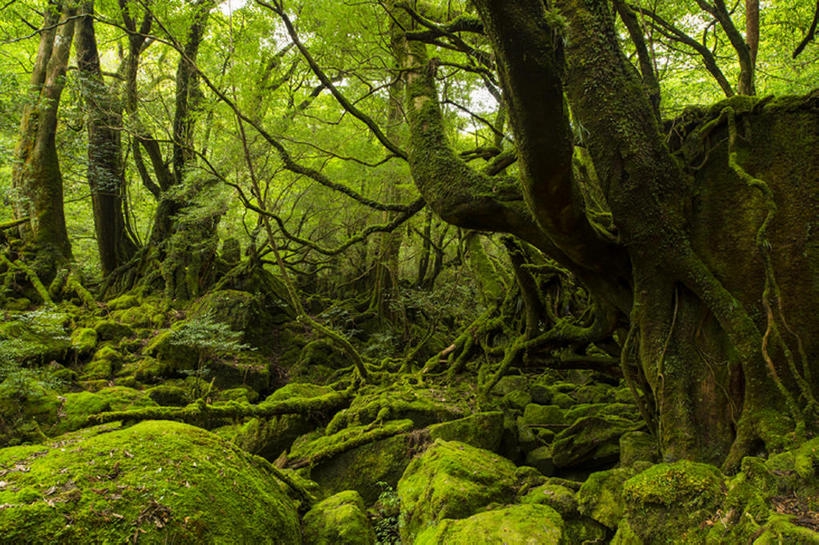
385,516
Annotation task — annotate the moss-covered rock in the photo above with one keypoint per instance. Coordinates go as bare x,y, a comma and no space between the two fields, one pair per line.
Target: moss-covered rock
106,361
110,330
169,395
452,480
28,407
558,497
780,529
530,524
592,441
77,407
140,316
122,302
356,458
516,400
423,406
601,496
670,503
541,459
155,482
34,338
339,520
242,311
544,416
84,340
481,430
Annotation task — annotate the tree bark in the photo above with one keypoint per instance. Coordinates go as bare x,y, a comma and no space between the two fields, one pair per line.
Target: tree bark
36,176
105,171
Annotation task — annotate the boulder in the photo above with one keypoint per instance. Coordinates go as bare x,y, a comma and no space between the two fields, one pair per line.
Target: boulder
452,480
84,341
481,430
673,501
592,441
638,446
110,330
529,524
339,520
244,312
601,496
155,482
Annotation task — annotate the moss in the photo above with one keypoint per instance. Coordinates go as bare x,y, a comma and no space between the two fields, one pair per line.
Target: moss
28,407
780,530
77,407
637,446
541,459
36,337
514,525
124,302
625,535
168,394
298,389
241,311
545,415
242,393
481,430
142,316
516,400
103,365
84,340
561,499
157,482
600,498
452,480
338,520
591,441
422,406
673,501
109,330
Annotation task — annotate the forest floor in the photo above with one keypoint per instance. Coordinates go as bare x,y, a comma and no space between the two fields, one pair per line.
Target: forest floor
224,421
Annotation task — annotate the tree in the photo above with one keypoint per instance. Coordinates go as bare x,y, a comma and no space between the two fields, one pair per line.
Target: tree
706,343
36,178
105,169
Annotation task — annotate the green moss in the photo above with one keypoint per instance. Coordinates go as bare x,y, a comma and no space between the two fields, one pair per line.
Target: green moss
338,520
106,361
516,400
637,446
481,430
600,498
84,340
142,316
28,407
78,406
298,389
780,530
452,480
160,481
669,503
561,499
541,459
514,525
168,394
545,415
593,440
123,302
109,330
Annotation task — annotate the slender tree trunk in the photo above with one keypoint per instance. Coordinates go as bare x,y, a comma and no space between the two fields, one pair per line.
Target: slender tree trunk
36,177
105,171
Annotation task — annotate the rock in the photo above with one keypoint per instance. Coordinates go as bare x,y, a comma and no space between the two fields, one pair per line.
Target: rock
601,496
338,520
244,312
451,480
780,529
17,303
511,383
123,302
27,407
165,482
103,365
109,330
84,340
515,525
638,446
541,459
516,400
562,400
544,416
169,395
481,430
78,406
591,442
141,316
671,502
361,467
541,394
558,497
34,338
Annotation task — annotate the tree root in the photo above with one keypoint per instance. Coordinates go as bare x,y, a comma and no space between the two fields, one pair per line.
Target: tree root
201,412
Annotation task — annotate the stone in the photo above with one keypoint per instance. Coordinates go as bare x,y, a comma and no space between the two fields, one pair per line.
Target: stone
530,524
339,520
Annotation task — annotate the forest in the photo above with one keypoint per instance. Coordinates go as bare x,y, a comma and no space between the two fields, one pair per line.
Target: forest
409,272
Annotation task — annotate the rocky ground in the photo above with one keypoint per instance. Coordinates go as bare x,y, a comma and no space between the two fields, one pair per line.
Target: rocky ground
138,422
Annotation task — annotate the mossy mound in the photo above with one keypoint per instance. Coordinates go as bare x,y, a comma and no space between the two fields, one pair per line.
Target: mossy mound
481,430
77,407
515,525
34,338
672,503
339,520
241,311
452,480
155,482
28,408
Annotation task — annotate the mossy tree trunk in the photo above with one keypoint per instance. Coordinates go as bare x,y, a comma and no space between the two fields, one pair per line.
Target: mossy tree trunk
719,336
105,170
36,177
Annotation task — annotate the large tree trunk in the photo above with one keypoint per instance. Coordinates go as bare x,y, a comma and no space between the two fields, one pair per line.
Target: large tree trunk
36,177
728,358
105,170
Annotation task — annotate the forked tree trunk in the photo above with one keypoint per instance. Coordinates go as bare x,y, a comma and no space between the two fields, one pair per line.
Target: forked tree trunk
36,176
